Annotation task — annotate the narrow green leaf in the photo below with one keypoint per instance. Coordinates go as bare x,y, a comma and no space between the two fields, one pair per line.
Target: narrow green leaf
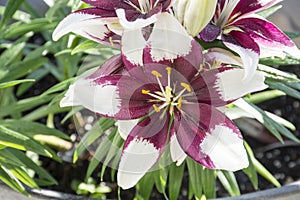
283,87
195,177
144,187
30,164
9,55
264,96
209,183
62,86
292,35
101,153
160,179
13,83
10,8
288,60
265,173
32,128
97,131
19,15
84,46
20,69
175,180
229,182
250,170
7,177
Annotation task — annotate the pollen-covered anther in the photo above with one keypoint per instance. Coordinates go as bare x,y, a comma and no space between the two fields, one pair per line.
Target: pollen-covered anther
145,91
186,86
156,73
179,103
157,109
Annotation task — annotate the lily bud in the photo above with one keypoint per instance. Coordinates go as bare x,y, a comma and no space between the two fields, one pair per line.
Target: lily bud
194,15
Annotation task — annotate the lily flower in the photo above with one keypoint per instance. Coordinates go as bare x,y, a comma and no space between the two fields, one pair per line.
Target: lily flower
248,34
175,104
124,23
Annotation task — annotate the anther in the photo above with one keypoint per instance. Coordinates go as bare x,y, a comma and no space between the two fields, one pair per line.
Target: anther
145,91
157,109
156,73
169,70
186,86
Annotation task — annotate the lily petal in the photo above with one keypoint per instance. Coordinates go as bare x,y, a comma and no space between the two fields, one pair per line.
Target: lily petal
208,136
108,4
126,126
267,35
230,86
166,30
247,49
177,153
142,149
90,23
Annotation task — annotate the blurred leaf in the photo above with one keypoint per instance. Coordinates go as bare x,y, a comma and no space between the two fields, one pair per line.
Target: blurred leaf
35,25
292,35
62,86
19,15
267,12
195,177
97,130
264,172
160,178
144,187
7,177
288,60
24,105
175,180
84,46
209,183
17,140
229,182
10,8
13,83
264,96
30,164
101,152
250,170
52,11
20,69
281,85
32,128
9,55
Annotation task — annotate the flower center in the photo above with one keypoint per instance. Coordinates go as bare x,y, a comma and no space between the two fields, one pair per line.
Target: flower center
144,5
166,98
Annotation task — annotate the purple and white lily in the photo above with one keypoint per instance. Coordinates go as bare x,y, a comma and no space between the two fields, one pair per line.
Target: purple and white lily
248,34
126,24
175,103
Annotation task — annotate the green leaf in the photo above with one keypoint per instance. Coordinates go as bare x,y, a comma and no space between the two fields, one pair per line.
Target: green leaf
160,178
30,164
9,55
32,128
267,12
292,35
264,172
175,180
97,131
20,69
7,177
84,46
10,8
13,83
18,140
275,84
288,60
209,183
101,152
144,187
24,105
19,15
62,86
250,170
195,177
264,96
36,25
229,182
